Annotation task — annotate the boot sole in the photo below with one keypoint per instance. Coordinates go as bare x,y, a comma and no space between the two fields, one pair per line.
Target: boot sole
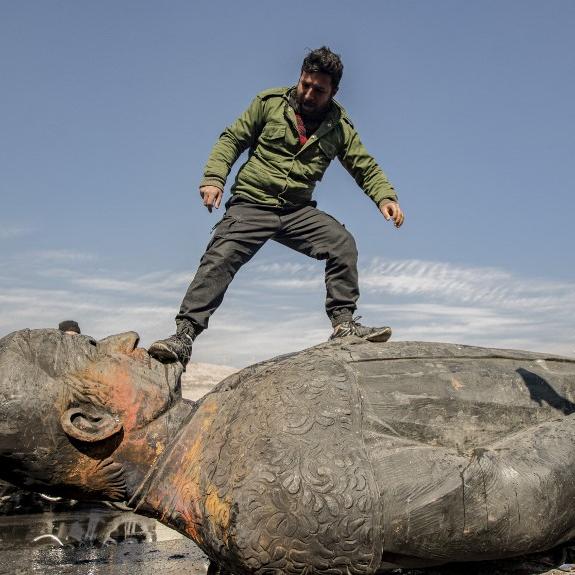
380,336
377,337
162,352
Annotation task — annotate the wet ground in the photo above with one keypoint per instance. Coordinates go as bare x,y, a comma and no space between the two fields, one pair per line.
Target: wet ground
166,558
77,540
97,541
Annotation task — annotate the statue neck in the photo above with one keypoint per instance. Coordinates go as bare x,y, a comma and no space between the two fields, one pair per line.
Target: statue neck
171,493
143,453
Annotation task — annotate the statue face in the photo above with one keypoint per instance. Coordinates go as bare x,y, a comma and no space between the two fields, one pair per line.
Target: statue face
70,403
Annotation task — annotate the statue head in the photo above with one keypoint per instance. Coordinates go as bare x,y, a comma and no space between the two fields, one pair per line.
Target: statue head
75,413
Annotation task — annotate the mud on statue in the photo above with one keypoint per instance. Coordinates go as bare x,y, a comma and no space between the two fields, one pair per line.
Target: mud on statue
292,134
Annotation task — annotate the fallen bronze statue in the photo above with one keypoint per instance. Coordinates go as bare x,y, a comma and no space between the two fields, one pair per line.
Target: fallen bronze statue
349,457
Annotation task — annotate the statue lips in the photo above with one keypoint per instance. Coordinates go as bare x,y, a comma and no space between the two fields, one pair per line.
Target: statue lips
349,457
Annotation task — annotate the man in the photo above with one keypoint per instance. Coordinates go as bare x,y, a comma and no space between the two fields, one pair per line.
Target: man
292,135
70,327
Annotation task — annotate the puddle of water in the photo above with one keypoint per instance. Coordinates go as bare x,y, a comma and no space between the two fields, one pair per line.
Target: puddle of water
48,536
94,541
179,557
33,520
82,527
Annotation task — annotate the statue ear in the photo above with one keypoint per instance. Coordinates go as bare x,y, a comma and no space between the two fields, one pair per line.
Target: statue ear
89,423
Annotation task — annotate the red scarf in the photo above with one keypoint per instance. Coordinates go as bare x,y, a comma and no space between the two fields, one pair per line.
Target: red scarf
301,129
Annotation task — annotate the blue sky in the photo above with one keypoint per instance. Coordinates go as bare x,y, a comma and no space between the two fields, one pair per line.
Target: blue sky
109,110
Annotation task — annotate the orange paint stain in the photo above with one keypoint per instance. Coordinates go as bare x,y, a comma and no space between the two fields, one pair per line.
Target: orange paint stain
456,384
182,492
218,510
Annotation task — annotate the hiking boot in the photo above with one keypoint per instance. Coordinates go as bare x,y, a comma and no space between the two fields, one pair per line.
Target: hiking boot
353,327
177,347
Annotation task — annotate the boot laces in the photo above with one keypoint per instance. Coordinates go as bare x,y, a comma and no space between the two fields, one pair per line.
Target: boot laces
350,327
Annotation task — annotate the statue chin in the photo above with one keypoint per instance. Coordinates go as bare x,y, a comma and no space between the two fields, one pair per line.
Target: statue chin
346,457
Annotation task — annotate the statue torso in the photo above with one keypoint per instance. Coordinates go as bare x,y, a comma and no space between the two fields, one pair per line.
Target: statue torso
315,458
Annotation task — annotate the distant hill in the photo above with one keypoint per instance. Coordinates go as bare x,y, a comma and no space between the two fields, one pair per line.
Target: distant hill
199,378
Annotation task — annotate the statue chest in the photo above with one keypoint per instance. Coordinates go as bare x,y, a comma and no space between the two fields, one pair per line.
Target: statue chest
286,480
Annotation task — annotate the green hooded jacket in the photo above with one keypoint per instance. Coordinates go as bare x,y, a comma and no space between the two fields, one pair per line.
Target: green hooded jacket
279,170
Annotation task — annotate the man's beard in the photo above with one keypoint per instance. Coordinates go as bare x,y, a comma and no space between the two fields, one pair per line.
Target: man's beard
313,113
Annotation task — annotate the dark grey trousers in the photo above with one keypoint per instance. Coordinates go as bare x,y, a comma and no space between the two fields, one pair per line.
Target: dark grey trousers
245,228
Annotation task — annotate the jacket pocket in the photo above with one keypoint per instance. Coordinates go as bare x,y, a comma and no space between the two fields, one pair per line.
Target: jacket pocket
273,132
327,148
271,143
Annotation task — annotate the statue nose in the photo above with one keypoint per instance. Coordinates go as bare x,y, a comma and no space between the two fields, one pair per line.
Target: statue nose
121,342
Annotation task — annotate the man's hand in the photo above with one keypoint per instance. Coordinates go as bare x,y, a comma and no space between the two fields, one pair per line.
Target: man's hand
391,210
211,196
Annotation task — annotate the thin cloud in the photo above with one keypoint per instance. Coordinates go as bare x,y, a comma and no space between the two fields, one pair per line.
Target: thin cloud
276,307
157,284
434,280
61,256
11,231
439,301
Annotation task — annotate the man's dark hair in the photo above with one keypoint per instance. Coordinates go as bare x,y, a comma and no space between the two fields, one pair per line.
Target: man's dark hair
325,61
69,325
